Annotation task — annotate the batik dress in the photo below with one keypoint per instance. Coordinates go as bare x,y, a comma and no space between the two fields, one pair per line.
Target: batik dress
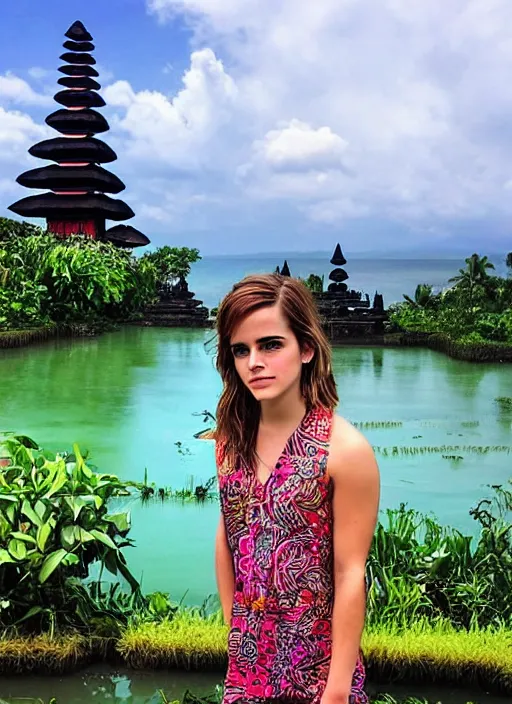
281,537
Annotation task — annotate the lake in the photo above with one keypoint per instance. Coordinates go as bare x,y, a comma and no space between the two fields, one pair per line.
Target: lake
130,396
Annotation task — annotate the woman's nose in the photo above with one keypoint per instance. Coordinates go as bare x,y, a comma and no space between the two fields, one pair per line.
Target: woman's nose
254,359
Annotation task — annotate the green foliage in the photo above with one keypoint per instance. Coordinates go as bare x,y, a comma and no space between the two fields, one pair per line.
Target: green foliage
315,283
14,228
423,297
44,279
171,263
418,569
476,310
54,524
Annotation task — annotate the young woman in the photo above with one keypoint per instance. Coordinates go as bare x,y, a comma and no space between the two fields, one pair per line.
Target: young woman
299,490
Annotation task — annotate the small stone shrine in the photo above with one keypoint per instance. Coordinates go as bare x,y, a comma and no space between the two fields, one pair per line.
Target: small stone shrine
346,313
176,308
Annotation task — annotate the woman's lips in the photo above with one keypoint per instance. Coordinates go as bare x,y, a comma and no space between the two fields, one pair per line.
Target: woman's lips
261,382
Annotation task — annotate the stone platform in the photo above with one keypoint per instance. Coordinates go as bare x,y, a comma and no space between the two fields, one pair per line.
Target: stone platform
177,314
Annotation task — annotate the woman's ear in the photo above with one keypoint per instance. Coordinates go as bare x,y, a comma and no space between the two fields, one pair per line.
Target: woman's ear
307,354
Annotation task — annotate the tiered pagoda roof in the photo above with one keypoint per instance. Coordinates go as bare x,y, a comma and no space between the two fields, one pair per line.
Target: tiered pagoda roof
76,202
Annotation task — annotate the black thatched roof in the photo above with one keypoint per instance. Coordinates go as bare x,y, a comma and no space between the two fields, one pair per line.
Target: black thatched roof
80,122
64,149
338,275
80,82
72,178
79,99
78,46
72,207
83,59
78,33
79,71
126,236
337,258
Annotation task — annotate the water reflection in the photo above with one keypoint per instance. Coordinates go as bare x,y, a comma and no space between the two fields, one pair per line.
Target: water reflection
99,686
130,396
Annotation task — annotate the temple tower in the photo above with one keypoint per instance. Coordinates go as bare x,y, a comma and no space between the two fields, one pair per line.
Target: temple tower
76,202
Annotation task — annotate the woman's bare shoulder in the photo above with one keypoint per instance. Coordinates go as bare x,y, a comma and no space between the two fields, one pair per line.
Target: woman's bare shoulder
350,451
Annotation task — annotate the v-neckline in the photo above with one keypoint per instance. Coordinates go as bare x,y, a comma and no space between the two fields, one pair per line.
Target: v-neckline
284,453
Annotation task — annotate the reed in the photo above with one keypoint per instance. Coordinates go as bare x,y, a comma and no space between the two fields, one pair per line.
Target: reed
424,652
188,642
375,424
504,403
437,652
193,491
30,336
397,450
44,654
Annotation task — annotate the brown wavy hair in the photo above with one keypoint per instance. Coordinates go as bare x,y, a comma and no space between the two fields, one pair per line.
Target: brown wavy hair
238,412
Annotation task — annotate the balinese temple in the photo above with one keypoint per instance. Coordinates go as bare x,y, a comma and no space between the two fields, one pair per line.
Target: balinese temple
75,201
346,313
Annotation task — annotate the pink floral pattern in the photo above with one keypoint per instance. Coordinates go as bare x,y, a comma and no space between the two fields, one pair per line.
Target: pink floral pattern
280,535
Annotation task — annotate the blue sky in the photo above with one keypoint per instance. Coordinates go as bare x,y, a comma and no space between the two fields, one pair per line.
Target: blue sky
250,126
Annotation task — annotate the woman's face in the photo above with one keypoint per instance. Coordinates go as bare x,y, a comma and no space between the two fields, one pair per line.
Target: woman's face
267,355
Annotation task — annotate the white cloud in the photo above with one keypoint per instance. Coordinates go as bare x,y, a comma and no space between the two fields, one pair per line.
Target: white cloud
18,92
338,109
298,146
38,73
19,130
176,130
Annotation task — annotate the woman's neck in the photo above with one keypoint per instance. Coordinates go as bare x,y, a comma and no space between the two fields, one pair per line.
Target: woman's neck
284,412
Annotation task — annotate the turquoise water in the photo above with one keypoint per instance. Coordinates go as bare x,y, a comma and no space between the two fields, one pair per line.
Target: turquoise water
130,396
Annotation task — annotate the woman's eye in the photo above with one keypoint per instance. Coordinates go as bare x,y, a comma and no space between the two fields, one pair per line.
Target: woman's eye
273,345
239,351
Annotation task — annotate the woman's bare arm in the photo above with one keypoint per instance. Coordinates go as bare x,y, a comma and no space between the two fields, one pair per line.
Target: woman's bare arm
224,571
355,476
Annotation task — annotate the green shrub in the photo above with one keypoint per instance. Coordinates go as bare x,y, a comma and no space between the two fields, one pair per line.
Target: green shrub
54,523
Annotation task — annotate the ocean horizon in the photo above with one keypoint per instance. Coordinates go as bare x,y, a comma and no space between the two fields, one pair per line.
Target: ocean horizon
213,276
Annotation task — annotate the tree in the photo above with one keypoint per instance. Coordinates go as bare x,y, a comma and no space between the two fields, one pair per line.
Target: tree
508,261
315,283
172,263
474,275
423,296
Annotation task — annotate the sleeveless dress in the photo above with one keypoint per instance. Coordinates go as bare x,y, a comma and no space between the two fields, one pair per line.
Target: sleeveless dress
281,538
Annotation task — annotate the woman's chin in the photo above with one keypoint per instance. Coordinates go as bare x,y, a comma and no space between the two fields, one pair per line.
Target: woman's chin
266,394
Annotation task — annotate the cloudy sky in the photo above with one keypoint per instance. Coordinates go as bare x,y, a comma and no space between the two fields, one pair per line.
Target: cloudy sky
277,125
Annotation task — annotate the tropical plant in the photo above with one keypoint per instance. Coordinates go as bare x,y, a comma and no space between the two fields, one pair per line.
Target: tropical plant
418,568
475,274
54,524
172,263
423,296
315,283
44,279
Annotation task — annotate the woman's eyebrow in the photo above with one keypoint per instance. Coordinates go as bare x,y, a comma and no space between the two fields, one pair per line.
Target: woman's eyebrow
260,340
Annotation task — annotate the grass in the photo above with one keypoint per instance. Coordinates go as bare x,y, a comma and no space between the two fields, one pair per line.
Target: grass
43,654
188,642
29,336
483,351
426,652
436,653
440,653
441,449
